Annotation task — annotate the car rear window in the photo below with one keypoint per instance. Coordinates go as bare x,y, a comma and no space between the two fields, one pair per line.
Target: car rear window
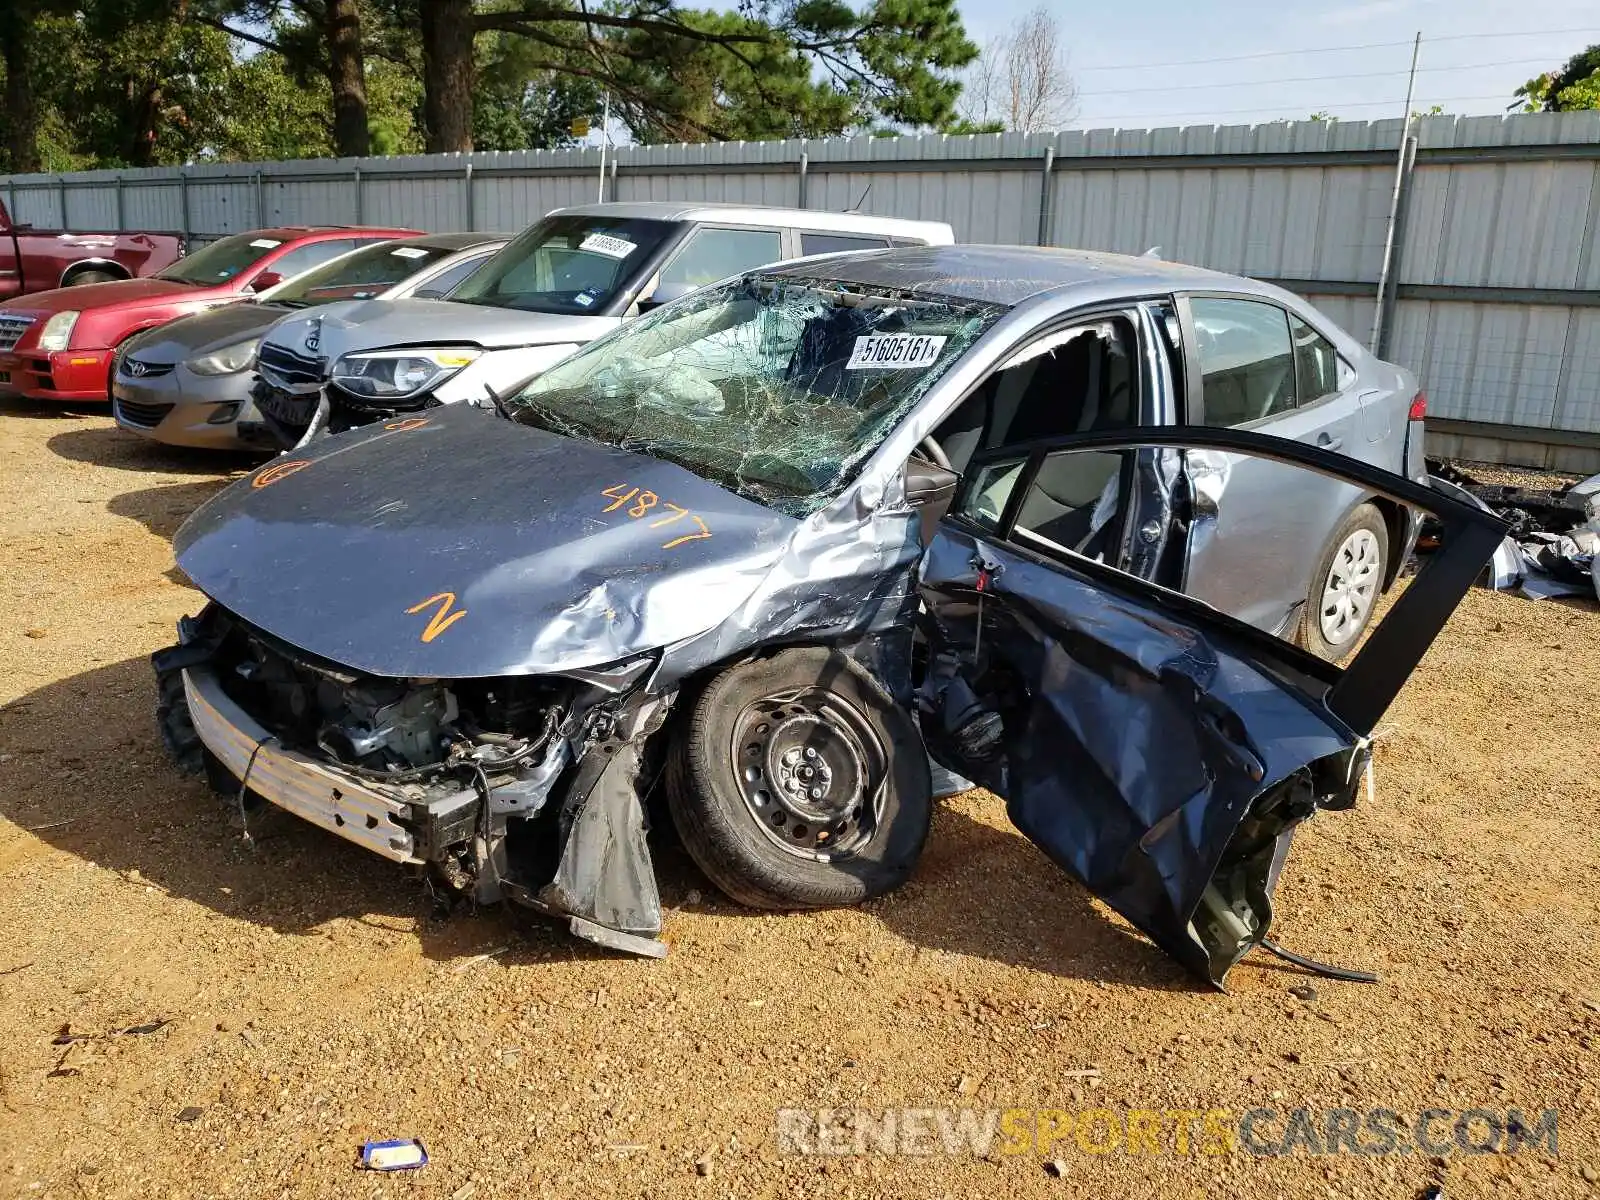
361,274
835,243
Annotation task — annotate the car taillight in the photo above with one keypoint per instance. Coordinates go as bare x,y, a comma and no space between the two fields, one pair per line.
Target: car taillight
1419,406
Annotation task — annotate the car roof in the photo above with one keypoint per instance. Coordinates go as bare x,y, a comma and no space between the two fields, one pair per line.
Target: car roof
1011,274
757,214
455,241
290,233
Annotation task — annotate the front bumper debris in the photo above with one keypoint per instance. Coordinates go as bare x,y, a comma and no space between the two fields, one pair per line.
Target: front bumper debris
561,829
334,800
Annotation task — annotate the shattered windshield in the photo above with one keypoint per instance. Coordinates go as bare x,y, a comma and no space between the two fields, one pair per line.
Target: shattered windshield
567,264
774,388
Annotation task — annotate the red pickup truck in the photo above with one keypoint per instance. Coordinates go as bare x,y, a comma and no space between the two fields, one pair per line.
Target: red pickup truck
36,260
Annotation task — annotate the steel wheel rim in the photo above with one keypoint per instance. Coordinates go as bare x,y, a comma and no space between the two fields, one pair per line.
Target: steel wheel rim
1351,588
811,771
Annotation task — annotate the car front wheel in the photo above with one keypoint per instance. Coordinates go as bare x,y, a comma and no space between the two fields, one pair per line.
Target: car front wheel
800,783
1346,585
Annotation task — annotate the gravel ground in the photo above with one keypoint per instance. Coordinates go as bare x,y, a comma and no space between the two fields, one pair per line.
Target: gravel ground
312,1000
1525,477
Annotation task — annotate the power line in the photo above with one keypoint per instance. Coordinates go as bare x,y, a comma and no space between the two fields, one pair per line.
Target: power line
1396,103
1428,41
1197,62
1194,87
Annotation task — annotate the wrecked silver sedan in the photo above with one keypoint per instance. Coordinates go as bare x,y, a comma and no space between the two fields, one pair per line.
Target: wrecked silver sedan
763,548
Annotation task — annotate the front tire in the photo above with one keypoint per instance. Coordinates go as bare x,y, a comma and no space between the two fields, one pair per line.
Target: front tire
1346,585
800,783
178,736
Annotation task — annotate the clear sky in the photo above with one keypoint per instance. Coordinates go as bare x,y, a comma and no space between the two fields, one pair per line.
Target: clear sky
1135,63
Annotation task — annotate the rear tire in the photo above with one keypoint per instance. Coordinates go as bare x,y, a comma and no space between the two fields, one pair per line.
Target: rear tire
83,277
1346,585
798,782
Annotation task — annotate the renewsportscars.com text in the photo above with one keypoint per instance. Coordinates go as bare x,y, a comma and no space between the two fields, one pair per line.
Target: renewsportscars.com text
1050,1132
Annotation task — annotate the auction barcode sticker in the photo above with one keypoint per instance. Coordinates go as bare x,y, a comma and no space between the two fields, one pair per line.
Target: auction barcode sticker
894,350
611,247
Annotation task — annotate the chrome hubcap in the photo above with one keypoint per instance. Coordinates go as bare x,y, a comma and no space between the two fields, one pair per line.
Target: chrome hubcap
811,772
1351,587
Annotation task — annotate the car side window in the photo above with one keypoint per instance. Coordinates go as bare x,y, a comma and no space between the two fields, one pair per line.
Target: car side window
303,258
445,281
712,254
835,243
1070,504
1247,366
1072,380
1317,363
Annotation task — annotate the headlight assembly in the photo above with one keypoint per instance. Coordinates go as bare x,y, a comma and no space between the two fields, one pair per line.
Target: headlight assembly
399,374
230,360
57,331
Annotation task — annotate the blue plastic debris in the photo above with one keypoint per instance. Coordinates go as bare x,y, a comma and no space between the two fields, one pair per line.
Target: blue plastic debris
397,1154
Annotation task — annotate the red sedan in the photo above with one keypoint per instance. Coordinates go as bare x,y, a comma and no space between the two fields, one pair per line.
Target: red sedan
59,345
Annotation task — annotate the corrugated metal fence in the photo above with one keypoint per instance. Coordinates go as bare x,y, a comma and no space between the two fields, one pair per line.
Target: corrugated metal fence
1495,299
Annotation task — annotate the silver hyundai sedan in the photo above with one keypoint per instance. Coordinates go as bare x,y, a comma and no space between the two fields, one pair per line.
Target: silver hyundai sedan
187,383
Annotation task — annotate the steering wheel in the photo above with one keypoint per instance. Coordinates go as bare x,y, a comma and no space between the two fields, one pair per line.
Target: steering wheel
935,453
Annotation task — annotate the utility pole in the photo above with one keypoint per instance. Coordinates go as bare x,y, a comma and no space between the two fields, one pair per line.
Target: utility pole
605,138
1379,314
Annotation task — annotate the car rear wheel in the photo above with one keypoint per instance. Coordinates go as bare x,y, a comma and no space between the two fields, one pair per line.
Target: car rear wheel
1346,585
91,277
799,783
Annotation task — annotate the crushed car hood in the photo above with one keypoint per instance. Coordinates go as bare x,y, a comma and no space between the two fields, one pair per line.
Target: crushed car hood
459,545
349,326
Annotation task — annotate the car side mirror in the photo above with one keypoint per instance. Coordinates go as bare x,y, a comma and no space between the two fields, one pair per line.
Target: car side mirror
266,280
665,293
929,489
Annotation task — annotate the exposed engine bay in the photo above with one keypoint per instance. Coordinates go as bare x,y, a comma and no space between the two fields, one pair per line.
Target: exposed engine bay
490,775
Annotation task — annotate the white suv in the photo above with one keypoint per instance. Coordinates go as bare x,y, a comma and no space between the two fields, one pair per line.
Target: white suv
575,275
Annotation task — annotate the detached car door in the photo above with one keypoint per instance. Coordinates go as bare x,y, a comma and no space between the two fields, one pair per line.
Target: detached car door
1157,749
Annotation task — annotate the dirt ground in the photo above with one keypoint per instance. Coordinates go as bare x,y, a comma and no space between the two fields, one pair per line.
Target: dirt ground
312,1000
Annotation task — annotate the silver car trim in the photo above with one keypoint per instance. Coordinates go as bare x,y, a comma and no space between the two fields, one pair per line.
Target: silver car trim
324,796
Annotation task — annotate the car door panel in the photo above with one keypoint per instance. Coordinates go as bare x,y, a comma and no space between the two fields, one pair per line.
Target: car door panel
1157,749
10,266
1270,523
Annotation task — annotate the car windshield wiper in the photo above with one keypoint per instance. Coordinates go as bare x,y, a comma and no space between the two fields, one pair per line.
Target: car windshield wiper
500,405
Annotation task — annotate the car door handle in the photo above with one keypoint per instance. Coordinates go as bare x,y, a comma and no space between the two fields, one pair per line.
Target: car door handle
1328,442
